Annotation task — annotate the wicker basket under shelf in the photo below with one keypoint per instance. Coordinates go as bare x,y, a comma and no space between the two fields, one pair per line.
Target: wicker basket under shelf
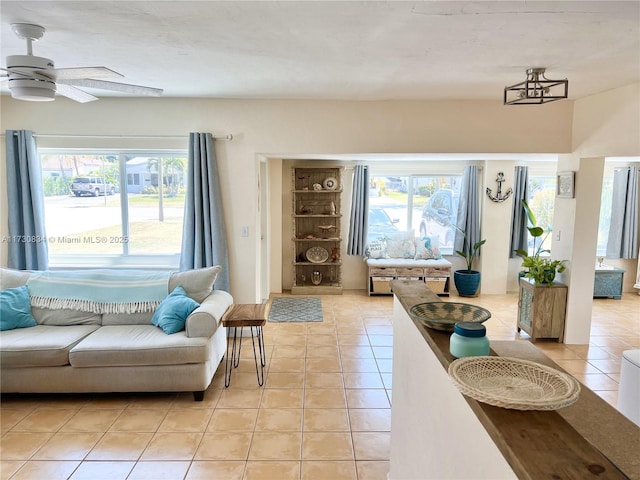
514,383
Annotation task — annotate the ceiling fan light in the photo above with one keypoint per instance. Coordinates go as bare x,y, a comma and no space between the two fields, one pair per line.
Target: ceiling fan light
32,90
29,62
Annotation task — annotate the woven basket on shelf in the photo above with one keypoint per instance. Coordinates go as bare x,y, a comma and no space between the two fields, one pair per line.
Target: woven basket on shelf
514,383
444,315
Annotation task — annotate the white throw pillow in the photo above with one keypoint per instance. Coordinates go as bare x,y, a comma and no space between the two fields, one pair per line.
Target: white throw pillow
197,283
401,245
427,248
376,249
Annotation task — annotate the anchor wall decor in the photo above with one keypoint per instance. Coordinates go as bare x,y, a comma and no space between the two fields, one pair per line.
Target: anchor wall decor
498,198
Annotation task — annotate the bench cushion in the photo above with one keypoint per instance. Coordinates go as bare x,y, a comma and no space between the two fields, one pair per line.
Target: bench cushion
126,345
406,262
42,345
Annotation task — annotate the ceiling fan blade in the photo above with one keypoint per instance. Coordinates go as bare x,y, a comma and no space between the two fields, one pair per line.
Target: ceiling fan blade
83,72
74,93
120,87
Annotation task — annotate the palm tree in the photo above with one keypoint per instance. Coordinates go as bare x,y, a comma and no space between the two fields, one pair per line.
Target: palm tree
175,168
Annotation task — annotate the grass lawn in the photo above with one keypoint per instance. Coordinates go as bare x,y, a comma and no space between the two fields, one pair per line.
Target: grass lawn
147,237
418,200
142,200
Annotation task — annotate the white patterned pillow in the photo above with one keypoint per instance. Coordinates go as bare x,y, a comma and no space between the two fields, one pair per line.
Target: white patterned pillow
401,245
376,249
427,248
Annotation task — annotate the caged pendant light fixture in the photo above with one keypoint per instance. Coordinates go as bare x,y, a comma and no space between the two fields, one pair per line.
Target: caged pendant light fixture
536,89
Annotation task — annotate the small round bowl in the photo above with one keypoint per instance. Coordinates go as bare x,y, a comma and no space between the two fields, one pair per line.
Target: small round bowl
444,315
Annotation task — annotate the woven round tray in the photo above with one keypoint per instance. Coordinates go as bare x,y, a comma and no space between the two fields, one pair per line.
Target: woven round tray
514,383
444,315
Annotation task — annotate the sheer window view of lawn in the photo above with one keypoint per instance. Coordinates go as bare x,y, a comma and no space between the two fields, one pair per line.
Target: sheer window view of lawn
143,217
96,229
542,194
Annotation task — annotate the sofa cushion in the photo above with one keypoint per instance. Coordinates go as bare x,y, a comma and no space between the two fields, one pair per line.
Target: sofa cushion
138,318
197,283
10,278
15,309
47,316
405,262
40,346
125,345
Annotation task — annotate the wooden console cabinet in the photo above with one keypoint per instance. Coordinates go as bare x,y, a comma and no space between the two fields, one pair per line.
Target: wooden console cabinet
541,309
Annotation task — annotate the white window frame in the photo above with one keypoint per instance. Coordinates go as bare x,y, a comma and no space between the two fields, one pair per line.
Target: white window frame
427,168
541,169
610,166
123,260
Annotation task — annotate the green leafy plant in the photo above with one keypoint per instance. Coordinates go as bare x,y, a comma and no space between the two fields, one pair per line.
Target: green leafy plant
468,251
542,270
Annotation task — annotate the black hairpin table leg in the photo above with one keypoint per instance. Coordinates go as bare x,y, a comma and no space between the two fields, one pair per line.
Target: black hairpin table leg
236,317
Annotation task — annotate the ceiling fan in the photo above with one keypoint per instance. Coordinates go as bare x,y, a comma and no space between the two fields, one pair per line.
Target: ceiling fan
35,78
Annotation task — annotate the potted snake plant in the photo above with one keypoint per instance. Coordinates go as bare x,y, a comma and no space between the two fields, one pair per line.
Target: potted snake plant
467,281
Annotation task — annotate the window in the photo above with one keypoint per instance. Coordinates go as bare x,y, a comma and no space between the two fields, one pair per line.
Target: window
91,220
426,204
541,199
605,212
606,201
133,179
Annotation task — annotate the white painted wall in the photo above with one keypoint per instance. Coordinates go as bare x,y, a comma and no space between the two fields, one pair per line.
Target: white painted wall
434,432
496,229
604,125
285,129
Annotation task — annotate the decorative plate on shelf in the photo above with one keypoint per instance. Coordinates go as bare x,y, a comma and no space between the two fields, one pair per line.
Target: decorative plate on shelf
317,254
514,383
330,183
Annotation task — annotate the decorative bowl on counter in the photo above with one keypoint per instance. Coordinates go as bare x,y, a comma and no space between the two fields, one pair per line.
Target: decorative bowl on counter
514,383
444,315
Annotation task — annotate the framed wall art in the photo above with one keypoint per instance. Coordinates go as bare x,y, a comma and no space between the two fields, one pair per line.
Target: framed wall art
565,184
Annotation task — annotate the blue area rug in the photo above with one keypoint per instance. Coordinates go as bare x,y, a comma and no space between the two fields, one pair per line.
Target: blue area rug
296,309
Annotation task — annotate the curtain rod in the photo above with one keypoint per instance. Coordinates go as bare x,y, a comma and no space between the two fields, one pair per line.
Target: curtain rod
171,137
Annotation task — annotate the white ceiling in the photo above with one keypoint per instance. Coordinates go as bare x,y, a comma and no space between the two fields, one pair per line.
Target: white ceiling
366,50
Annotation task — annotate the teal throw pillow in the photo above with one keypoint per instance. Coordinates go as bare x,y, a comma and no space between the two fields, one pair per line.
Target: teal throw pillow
15,309
171,315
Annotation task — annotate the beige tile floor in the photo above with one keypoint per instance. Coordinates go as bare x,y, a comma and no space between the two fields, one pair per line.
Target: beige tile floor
324,412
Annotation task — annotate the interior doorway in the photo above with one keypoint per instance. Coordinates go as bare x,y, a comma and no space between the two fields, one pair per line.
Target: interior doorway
263,209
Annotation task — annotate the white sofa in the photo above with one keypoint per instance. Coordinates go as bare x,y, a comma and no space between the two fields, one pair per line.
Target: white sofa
80,351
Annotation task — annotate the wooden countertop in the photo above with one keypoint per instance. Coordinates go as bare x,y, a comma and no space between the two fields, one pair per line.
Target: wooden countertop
589,439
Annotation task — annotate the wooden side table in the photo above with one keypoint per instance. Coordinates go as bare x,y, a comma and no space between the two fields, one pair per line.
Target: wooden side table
542,309
239,316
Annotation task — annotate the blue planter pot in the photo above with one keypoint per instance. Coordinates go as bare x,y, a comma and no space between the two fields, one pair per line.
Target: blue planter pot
467,282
